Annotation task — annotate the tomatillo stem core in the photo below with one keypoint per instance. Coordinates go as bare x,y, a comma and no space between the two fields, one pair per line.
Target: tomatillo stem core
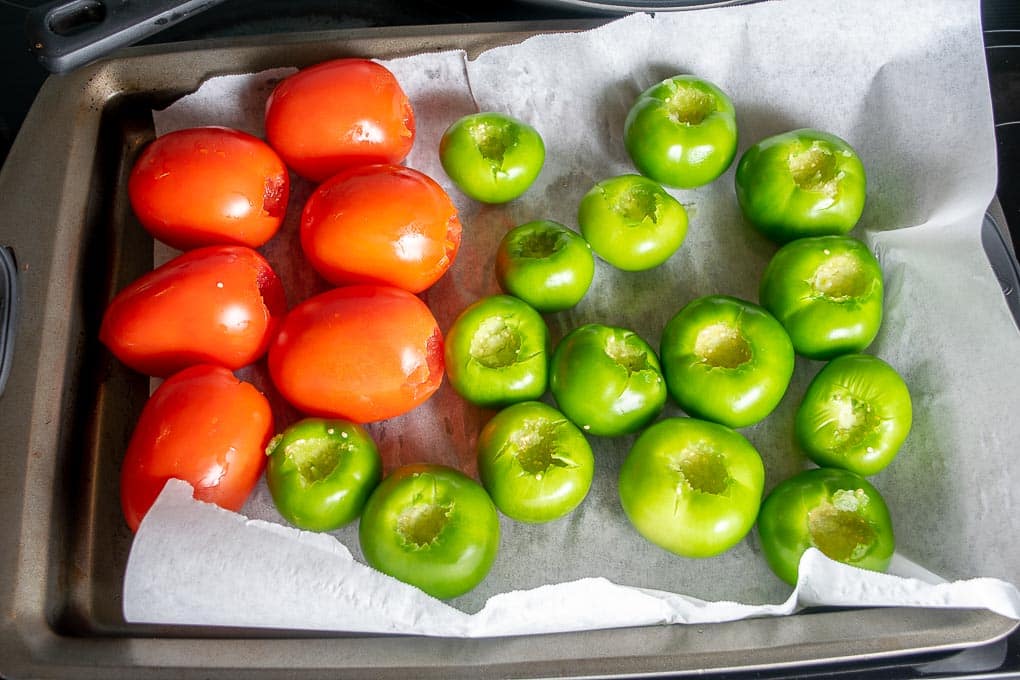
496,344
840,278
420,524
534,447
689,105
493,139
837,528
538,244
814,169
316,459
636,204
722,345
855,419
703,469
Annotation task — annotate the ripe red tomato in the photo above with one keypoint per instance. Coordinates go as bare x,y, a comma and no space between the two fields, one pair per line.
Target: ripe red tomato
381,224
339,114
217,305
208,186
201,425
362,353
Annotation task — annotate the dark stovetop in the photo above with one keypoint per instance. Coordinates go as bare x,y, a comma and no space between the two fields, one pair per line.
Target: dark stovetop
21,76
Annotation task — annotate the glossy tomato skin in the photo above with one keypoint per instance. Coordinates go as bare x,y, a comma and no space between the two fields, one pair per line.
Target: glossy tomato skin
201,425
682,132
827,292
497,352
218,304
836,511
855,415
492,157
430,526
536,465
339,114
383,224
361,353
209,186
801,183
321,472
545,264
691,486
607,380
726,360
631,222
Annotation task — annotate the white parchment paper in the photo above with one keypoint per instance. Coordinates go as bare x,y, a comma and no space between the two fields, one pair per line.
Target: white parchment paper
905,84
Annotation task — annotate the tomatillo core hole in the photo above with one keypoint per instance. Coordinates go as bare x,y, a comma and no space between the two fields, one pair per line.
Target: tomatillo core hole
636,204
854,419
840,278
703,468
689,105
838,529
722,345
534,446
493,139
626,355
814,169
496,344
316,459
539,244
420,524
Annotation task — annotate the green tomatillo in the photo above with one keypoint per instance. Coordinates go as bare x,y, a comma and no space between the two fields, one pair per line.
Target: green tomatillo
827,292
545,264
856,414
321,472
682,132
726,360
607,380
836,511
801,183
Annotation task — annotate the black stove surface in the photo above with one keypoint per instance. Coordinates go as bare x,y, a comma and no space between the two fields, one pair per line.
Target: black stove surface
21,76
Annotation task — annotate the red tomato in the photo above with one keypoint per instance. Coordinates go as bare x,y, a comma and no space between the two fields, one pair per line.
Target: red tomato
381,224
201,425
217,305
339,114
362,353
207,186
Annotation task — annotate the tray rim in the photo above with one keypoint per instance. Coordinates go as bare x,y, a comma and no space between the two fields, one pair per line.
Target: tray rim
70,108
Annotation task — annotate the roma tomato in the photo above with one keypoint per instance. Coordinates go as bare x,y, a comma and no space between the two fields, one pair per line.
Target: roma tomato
339,114
827,293
835,511
383,224
535,464
203,426
691,486
856,414
682,132
361,353
631,222
726,360
492,157
801,183
607,380
321,472
497,352
545,264
209,186
218,304
432,527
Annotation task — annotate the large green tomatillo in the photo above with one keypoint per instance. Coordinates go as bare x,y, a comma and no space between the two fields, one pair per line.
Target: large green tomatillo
827,292
726,360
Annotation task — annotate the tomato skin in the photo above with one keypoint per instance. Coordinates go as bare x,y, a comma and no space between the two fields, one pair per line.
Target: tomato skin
827,292
536,465
846,507
447,511
801,183
209,186
691,486
383,224
201,425
321,472
339,114
682,132
361,353
218,304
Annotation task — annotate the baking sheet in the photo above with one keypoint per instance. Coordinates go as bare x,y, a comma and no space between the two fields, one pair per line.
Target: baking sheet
904,83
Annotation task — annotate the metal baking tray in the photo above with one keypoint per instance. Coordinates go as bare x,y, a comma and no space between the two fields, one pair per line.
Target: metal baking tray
68,410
